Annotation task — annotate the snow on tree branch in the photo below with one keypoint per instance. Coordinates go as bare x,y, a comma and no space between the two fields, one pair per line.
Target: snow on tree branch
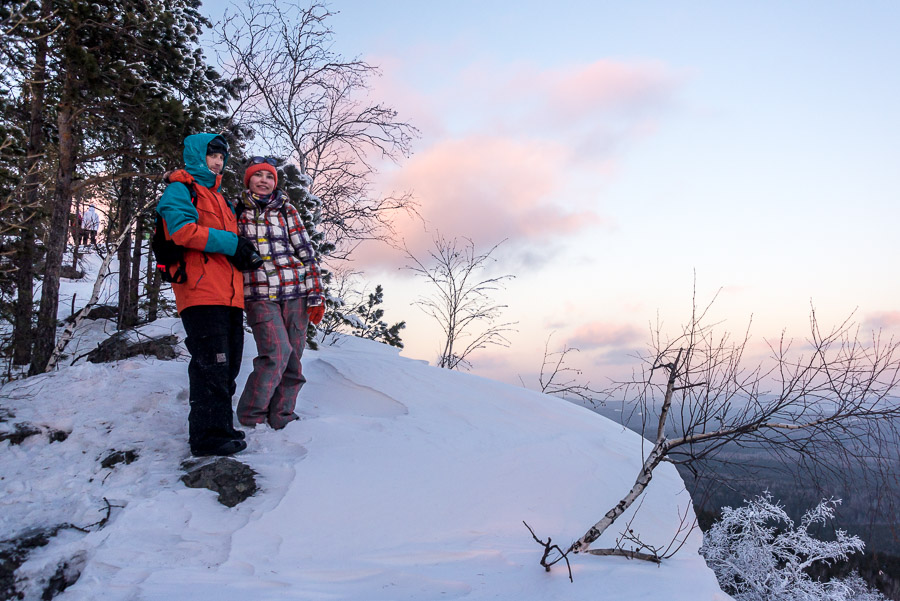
759,554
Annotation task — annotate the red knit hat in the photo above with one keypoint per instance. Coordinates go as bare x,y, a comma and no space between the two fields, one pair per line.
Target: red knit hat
259,167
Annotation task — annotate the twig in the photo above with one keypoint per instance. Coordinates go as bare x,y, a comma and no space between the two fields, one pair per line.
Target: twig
99,524
548,548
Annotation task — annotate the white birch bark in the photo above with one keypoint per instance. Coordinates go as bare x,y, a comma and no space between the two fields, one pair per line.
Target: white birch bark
102,273
657,454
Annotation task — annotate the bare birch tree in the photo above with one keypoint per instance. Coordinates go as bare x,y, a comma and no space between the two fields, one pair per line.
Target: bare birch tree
308,103
461,299
102,273
827,403
560,379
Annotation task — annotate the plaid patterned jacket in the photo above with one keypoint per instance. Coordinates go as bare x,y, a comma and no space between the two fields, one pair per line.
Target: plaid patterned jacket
290,269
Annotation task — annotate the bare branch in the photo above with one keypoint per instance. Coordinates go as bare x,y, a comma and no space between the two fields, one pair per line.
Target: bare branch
827,404
651,557
549,549
556,376
461,301
306,102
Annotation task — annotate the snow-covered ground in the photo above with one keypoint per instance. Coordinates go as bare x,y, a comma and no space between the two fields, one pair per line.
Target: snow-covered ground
402,481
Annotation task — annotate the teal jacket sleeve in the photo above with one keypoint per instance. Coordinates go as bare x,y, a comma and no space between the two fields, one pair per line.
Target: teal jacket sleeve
180,217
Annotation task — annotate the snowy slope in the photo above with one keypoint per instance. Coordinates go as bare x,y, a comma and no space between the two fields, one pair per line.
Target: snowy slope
403,481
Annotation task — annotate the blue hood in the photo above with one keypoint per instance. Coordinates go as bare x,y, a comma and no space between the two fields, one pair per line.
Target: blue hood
195,158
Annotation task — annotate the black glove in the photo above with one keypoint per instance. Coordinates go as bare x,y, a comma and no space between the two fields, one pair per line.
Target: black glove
245,257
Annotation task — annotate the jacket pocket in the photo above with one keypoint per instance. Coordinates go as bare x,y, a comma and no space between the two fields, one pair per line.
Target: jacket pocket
209,218
195,266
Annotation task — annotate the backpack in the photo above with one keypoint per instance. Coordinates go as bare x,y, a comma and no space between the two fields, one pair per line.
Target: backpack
167,253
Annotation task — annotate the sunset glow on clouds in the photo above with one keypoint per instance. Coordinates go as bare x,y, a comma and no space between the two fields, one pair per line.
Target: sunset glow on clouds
597,106
625,151
883,320
491,189
595,335
520,170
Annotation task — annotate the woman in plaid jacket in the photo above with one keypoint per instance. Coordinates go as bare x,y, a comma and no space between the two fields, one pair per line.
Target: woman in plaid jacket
280,298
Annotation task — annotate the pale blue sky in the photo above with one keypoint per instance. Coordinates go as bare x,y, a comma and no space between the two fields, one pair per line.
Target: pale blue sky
759,148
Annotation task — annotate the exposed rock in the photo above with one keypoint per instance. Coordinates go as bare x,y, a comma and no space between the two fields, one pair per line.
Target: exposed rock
103,312
13,554
25,430
71,273
97,312
116,457
67,574
118,347
21,432
57,435
233,480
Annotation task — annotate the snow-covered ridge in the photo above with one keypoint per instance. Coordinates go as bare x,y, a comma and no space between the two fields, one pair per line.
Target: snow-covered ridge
402,481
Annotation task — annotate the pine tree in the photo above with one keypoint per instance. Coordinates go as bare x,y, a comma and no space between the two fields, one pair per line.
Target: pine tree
365,321
129,82
24,50
11,156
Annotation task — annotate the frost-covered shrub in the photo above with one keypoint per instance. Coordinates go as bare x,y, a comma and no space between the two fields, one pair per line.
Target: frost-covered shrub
759,554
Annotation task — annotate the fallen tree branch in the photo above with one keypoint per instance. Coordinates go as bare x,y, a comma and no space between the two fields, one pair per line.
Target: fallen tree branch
625,553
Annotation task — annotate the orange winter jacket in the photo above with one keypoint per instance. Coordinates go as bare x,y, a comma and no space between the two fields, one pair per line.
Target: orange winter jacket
208,232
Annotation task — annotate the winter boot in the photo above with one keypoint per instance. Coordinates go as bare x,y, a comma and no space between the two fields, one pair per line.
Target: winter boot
220,447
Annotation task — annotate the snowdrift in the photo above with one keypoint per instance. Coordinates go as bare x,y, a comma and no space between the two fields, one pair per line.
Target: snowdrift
402,481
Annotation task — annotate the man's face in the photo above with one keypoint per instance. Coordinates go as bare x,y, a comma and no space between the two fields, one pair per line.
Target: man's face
215,162
262,182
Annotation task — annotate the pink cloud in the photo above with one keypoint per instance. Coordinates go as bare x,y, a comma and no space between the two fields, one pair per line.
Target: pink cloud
488,189
521,138
601,334
605,86
590,107
595,107
882,320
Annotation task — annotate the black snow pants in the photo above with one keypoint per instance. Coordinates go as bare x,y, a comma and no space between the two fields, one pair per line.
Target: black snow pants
215,339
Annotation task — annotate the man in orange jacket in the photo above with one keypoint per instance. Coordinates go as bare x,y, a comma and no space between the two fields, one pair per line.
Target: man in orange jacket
211,301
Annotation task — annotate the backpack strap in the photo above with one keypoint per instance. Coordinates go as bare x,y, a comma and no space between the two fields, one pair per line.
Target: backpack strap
168,254
182,176
192,188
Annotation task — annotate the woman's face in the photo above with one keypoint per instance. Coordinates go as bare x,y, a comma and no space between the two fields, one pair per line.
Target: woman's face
262,183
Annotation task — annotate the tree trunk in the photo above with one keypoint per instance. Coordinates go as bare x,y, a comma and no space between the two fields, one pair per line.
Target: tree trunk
126,210
25,297
640,484
134,288
153,284
45,337
154,279
657,454
76,230
22,328
127,308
